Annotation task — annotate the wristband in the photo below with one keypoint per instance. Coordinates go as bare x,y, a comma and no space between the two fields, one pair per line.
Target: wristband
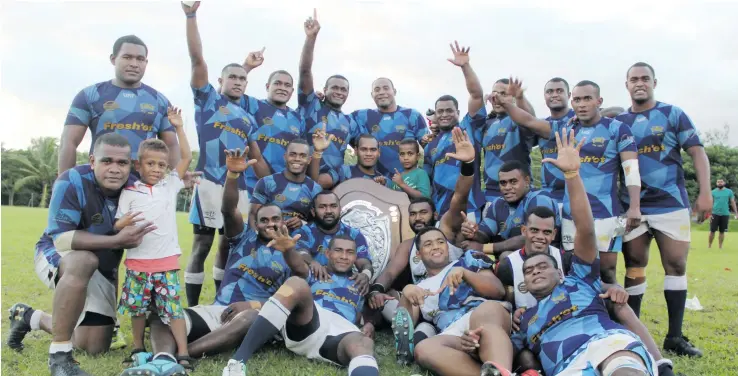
571,174
191,15
467,168
377,287
318,154
233,175
368,273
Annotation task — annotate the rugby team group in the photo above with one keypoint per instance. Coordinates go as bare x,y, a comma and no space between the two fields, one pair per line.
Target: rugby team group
501,278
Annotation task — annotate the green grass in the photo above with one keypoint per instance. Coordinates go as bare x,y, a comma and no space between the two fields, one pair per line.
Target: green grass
709,272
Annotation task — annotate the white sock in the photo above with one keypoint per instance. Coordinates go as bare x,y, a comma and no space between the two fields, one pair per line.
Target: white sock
60,347
388,312
274,312
195,278
36,320
218,273
363,365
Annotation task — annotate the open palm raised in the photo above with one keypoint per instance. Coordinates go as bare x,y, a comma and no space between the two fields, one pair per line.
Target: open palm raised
236,160
461,54
282,241
568,158
464,148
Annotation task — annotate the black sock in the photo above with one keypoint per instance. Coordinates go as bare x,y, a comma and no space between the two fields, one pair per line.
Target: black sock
263,329
634,301
418,336
192,290
675,300
27,316
217,284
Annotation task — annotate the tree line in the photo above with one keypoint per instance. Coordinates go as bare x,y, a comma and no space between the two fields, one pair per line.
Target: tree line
28,175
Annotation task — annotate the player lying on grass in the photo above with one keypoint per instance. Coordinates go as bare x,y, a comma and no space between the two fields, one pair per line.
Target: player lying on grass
317,319
569,329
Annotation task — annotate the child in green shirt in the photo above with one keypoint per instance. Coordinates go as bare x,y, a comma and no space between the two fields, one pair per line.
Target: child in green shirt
414,181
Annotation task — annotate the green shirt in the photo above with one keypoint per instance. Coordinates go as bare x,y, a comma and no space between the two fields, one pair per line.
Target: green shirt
416,178
721,198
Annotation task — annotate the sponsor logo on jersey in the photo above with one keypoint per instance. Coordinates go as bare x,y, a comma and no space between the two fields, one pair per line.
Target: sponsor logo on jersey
305,201
400,128
111,105
97,219
294,129
657,130
375,128
280,198
523,288
224,110
267,121
135,126
147,107
598,142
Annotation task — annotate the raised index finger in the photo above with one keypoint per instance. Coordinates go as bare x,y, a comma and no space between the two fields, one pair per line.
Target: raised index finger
315,14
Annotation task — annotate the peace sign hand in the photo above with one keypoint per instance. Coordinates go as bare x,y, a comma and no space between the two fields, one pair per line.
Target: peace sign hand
236,160
321,141
453,280
281,240
464,148
568,158
312,26
461,54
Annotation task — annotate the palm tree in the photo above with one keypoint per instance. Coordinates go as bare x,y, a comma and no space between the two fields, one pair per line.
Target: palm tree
38,165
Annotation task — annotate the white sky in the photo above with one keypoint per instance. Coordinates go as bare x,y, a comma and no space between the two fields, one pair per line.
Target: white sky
51,50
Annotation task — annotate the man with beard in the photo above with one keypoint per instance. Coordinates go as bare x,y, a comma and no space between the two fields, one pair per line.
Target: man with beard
444,171
609,145
367,156
254,272
325,210
501,225
661,130
720,212
291,190
404,265
221,125
325,113
569,327
123,105
390,124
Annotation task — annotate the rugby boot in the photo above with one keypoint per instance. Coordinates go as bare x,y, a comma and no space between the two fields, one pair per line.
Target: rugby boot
494,369
403,330
681,346
234,368
63,364
18,326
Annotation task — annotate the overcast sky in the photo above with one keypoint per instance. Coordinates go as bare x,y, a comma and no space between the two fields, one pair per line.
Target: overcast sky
51,50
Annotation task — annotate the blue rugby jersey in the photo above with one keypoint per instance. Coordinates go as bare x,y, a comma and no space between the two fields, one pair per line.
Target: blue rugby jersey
444,172
344,173
293,198
137,114
601,164
253,271
275,129
337,295
314,241
77,203
660,134
340,127
390,128
552,179
504,220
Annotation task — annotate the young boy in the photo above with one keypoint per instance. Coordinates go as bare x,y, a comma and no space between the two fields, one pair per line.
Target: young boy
152,267
414,181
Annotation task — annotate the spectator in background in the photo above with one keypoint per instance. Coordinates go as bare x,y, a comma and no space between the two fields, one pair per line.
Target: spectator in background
721,196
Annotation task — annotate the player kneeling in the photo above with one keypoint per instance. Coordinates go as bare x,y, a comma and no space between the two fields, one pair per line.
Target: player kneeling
316,319
570,329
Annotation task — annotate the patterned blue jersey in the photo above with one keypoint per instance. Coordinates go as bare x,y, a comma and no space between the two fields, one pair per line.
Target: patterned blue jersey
275,129
600,157
293,198
221,124
77,203
552,179
660,134
338,295
504,220
253,271
565,320
503,140
314,241
340,127
344,173
390,128
444,172
138,114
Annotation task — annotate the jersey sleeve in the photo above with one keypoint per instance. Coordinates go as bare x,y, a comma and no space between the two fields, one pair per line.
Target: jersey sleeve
175,183
161,122
423,183
65,207
505,273
124,203
588,273
307,103
250,104
306,243
686,132
234,241
359,117
354,130
489,225
362,248
625,139
427,161
261,193
419,126
80,112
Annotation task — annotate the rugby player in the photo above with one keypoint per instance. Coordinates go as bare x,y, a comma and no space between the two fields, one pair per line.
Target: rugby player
661,131
368,153
720,218
324,113
569,328
317,319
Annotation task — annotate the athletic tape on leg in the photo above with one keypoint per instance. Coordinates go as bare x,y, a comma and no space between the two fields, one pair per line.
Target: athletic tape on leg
638,289
218,273
634,272
624,362
274,312
195,278
675,283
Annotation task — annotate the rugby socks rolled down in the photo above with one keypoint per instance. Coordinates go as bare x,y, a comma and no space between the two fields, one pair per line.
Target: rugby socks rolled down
363,365
675,293
271,319
57,347
193,287
635,297
422,331
218,275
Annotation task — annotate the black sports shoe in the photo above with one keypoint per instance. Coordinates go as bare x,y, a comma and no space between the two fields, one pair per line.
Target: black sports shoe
63,364
18,327
681,346
403,330
665,369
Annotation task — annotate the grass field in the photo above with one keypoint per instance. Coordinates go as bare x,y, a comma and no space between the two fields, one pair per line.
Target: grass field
710,275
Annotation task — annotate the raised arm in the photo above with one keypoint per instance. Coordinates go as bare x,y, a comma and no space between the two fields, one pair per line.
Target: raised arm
473,85
312,27
194,46
585,241
75,127
236,164
321,141
453,218
175,118
519,115
283,242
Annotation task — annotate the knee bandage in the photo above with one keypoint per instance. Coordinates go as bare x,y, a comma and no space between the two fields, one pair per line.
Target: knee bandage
631,172
633,273
623,363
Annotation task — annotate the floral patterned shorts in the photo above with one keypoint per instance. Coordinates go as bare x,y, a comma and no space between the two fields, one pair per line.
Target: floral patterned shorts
140,288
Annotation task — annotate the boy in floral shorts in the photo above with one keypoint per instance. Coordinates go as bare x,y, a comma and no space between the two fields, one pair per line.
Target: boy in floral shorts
152,267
